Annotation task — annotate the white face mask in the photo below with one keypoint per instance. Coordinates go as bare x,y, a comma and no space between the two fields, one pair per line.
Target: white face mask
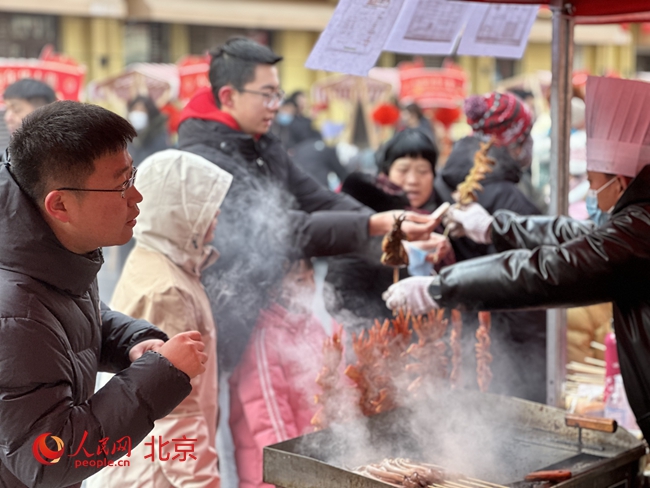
139,120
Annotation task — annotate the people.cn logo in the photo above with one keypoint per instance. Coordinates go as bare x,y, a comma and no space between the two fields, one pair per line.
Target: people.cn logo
44,454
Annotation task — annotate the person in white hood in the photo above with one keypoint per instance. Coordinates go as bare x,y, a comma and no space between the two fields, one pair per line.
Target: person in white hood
161,283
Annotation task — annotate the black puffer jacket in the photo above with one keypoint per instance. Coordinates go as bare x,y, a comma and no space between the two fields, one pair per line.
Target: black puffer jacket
519,352
55,338
559,262
500,191
273,211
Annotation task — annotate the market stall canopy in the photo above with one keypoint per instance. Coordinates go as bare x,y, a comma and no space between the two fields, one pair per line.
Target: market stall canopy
158,81
162,82
595,11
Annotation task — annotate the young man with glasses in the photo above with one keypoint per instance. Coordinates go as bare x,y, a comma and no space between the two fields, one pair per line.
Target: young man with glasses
273,211
67,191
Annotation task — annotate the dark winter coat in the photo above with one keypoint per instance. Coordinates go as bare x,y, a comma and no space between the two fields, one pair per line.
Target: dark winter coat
150,140
559,262
55,337
318,160
273,211
519,366
300,129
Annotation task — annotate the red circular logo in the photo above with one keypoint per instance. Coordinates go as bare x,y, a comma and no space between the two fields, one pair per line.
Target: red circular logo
44,454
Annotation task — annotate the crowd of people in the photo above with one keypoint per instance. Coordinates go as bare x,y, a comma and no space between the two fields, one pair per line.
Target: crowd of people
219,237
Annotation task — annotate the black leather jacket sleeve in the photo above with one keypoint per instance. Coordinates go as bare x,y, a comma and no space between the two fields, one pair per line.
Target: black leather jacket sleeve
589,268
512,231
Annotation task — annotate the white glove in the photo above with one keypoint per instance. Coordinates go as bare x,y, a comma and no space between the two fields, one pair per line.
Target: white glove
471,221
411,294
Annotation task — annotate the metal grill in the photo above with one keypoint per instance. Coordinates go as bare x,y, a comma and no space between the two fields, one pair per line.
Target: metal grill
525,437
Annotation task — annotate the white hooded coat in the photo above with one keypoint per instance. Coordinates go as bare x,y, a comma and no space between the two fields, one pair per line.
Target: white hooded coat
161,283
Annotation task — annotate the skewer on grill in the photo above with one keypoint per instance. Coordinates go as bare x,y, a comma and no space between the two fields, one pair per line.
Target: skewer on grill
402,472
456,348
483,356
394,252
472,480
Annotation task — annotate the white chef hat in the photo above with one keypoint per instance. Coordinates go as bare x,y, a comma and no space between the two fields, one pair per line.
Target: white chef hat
618,125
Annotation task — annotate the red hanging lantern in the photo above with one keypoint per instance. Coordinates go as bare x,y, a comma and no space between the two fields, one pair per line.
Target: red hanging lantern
447,116
385,114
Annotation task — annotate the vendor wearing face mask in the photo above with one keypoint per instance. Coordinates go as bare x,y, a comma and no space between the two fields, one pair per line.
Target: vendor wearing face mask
559,262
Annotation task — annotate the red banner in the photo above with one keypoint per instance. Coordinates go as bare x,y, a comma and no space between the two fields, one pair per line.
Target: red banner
193,74
65,76
433,88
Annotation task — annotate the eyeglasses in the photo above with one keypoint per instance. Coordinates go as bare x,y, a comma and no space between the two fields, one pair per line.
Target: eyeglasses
123,188
270,99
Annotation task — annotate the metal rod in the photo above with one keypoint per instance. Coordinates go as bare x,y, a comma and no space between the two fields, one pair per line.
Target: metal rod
561,91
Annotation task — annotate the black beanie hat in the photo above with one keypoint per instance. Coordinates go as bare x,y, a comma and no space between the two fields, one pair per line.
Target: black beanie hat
407,143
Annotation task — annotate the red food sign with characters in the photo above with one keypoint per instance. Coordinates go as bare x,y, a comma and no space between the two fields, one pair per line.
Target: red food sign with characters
433,88
64,75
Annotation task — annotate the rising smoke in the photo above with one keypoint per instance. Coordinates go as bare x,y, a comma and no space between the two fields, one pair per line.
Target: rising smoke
255,239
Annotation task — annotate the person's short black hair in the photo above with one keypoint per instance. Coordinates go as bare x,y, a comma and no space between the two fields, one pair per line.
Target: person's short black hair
35,92
59,143
415,109
149,105
234,64
295,95
410,143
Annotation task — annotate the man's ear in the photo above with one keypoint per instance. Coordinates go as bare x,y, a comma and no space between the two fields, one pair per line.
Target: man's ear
226,96
56,206
624,181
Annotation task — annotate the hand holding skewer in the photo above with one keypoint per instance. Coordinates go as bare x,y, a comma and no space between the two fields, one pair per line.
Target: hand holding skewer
464,218
416,226
471,221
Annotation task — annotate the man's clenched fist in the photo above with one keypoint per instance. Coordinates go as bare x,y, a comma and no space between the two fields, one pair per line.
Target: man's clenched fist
185,351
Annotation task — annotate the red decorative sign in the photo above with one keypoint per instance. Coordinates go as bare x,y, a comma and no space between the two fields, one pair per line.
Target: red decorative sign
64,75
193,74
433,88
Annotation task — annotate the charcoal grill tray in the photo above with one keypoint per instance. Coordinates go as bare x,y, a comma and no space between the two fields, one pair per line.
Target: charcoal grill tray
500,440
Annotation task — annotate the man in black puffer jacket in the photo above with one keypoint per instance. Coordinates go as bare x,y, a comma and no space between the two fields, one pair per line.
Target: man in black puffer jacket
67,191
552,261
273,211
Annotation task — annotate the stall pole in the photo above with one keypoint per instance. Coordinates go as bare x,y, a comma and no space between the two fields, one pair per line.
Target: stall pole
561,93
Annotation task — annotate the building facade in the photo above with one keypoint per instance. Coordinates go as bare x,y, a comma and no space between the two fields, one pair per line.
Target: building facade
106,35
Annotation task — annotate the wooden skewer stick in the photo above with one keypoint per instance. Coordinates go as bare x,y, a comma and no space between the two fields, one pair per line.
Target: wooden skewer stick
584,378
585,368
595,362
597,345
485,483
